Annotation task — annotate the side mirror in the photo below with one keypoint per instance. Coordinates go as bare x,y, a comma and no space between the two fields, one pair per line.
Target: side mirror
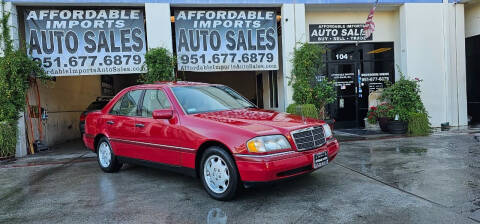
162,114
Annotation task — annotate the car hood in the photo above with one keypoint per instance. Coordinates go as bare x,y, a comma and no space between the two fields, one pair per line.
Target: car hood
260,121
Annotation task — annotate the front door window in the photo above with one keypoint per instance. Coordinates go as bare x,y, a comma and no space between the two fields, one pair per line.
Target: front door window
154,99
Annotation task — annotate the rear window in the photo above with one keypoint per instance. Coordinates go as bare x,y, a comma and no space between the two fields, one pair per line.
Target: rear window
97,105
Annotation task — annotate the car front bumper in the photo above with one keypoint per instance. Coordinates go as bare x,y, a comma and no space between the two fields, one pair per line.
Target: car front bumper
279,166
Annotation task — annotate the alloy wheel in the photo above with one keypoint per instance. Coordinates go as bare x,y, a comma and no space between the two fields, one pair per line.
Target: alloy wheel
216,174
104,154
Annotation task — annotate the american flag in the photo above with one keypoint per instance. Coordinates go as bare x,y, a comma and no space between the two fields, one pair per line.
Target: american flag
370,25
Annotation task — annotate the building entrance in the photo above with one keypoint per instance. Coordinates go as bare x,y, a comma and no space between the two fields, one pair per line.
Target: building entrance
358,71
473,78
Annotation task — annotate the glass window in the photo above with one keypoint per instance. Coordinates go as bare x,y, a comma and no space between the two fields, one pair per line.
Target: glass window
97,105
377,51
201,99
272,78
127,106
154,99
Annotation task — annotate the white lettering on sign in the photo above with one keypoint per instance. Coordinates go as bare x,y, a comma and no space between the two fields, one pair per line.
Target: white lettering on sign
337,32
341,56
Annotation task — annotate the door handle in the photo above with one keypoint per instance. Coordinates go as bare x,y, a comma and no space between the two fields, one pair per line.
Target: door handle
110,122
139,125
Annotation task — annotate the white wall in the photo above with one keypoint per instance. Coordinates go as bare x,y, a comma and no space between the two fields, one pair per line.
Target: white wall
431,49
293,32
13,23
472,19
158,25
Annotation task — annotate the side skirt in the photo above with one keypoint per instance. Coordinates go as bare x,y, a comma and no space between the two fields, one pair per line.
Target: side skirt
177,169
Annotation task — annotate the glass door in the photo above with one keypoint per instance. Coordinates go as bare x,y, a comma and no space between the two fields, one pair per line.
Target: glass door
359,70
345,109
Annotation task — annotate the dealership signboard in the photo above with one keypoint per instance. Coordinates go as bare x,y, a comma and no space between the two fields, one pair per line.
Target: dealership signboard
86,42
226,40
337,32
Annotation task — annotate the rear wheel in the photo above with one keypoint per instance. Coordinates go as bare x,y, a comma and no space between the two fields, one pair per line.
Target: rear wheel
219,174
106,159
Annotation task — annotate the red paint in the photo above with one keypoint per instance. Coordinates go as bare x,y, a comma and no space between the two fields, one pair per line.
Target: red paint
176,140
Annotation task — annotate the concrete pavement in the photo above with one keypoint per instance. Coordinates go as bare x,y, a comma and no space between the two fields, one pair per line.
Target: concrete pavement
432,179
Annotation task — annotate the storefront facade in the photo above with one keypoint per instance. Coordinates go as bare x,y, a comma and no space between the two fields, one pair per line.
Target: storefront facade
249,46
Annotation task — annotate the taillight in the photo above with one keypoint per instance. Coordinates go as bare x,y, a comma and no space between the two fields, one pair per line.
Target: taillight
83,116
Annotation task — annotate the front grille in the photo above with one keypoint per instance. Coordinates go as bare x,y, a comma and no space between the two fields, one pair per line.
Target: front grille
309,138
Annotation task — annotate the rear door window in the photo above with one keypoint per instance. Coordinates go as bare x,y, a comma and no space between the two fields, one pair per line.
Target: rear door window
128,105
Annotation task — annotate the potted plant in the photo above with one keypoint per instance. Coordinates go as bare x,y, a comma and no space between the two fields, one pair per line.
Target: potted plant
404,96
397,126
308,86
384,115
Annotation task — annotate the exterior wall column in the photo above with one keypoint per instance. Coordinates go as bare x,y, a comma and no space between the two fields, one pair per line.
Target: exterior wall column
21,147
293,32
432,49
158,25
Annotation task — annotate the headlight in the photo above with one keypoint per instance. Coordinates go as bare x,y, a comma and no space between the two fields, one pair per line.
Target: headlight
268,143
327,131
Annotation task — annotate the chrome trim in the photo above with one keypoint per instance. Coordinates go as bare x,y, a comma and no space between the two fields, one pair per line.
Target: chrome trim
303,129
266,155
308,129
152,144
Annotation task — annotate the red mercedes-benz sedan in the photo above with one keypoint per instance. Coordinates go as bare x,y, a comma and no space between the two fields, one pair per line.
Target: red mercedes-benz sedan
209,131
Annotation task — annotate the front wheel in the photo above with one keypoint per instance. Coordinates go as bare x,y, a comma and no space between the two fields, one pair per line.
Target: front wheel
106,159
219,174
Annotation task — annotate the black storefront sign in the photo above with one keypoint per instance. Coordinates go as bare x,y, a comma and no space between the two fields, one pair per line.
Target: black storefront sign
337,32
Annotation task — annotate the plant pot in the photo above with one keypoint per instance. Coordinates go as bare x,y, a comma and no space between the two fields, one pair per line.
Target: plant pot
383,122
397,127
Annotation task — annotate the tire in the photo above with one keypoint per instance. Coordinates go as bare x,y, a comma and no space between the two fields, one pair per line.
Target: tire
105,157
217,167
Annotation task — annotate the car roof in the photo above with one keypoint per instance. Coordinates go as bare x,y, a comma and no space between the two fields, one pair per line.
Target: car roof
173,84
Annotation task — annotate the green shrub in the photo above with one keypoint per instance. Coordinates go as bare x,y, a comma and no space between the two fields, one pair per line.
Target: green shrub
385,110
418,124
404,96
160,65
8,139
308,88
16,70
308,110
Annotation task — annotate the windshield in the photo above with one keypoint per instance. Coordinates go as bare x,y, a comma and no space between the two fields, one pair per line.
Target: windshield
97,105
201,99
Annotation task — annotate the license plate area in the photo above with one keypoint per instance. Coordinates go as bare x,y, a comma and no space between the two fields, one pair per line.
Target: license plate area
320,159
